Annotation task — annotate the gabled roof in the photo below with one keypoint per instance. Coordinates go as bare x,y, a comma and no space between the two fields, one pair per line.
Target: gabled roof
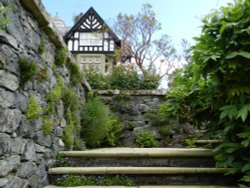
84,24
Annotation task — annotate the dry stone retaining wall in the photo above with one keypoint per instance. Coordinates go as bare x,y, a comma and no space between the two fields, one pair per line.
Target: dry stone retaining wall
26,152
134,108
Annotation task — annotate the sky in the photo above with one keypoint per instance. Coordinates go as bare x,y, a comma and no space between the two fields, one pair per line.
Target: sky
180,19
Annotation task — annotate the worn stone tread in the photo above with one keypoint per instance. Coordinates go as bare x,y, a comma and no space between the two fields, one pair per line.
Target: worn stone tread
136,170
141,152
150,186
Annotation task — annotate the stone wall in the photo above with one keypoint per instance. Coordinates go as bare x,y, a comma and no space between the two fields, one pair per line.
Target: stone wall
26,152
136,109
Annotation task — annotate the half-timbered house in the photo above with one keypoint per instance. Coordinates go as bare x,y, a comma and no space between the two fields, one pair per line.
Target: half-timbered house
93,43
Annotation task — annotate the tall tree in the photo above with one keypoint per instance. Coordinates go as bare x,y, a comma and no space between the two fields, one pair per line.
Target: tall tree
138,35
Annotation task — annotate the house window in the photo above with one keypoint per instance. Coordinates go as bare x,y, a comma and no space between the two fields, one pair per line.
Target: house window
91,39
90,60
112,46
106,69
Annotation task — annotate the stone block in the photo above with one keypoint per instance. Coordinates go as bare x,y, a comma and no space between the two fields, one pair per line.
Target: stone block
9,119
9,164
9,80
3,182
6,98
5,144
44,140
26,170
29,151
18,145
17,182
21,101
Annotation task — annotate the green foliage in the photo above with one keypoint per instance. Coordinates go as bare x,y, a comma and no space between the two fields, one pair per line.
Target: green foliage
213,90
146,139
114,131
68,135
95,117
99,126
123,78
42,73
33,110
190,143
54,96
28,69
3,21
76,76
96,79
61,56
41,47
47,126
106,180
79,145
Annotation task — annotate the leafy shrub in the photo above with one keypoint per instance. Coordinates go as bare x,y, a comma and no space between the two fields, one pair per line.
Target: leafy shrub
114,131
95,117
70,99
41,47
96,79
149,80
122,78
79,145
213,89
76,76
33,110
107,180
28,69
68,135
146,139
47,126
61,56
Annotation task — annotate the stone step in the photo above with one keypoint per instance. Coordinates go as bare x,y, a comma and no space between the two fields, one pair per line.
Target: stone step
136,170
146,157
150,175
141,152
149,186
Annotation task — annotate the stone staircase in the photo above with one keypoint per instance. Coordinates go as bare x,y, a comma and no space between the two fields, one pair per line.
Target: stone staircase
146,167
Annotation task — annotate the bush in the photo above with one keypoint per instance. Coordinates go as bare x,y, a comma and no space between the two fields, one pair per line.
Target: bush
61,56
213,89
33,110
146,139
96,79
122,78
76,76
95,117
114,131
47,126
28,69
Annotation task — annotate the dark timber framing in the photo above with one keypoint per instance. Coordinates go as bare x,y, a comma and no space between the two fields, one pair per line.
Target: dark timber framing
92,25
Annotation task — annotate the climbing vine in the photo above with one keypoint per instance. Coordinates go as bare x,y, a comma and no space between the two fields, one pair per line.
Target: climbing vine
213,89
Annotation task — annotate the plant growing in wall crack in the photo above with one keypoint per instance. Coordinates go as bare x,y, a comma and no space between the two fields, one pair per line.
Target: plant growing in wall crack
146,139
41,47
33,110
61,56
47,126
3,21
28,69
